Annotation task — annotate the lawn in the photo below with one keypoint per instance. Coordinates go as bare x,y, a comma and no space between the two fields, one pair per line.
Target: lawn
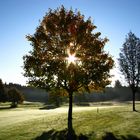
92,122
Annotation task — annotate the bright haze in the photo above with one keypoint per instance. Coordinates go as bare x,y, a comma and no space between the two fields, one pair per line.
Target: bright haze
113,18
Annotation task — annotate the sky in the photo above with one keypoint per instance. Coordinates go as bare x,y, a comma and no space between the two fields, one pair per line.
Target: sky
18,18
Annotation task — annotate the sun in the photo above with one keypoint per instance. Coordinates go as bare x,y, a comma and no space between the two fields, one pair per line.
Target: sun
71,58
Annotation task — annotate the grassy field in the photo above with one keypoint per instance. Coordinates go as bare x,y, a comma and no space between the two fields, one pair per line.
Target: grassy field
99,122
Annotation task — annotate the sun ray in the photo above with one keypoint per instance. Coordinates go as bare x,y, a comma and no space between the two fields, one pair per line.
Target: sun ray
71,58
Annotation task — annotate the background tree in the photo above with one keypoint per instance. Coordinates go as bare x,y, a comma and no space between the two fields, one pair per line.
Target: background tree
3,95
57,96
129,62
15,96
118,84
67,54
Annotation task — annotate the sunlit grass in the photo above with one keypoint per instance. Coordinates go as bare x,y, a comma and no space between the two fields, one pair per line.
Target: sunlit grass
27,124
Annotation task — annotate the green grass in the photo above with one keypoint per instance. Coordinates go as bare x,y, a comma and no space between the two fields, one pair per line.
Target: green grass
26,123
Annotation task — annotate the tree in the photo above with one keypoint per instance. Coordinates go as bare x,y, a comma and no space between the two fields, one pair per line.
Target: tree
56,97
129,62
67,55
3,95
15,96
118,84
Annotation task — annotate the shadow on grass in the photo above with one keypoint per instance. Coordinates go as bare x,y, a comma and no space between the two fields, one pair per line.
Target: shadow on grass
47,107
111,136
5,108
59,135
62,135
82,104
137,111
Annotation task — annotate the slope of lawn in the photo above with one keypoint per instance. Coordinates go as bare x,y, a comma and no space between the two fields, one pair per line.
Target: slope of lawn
99,122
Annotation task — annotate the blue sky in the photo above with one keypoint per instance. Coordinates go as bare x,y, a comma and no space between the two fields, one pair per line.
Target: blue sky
113,18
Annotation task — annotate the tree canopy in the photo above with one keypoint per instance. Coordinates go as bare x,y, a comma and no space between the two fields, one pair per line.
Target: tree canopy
60,34
130,59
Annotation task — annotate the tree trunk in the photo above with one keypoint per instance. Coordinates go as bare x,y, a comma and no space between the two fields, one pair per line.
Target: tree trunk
133,92
70,127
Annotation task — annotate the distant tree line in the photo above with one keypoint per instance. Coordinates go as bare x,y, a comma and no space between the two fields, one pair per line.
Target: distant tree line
30,94
57,98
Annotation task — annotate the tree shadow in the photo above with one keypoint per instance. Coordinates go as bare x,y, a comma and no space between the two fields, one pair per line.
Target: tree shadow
5,108
137,111
111,136
82,104
47,107
59,135
62,135
130,137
